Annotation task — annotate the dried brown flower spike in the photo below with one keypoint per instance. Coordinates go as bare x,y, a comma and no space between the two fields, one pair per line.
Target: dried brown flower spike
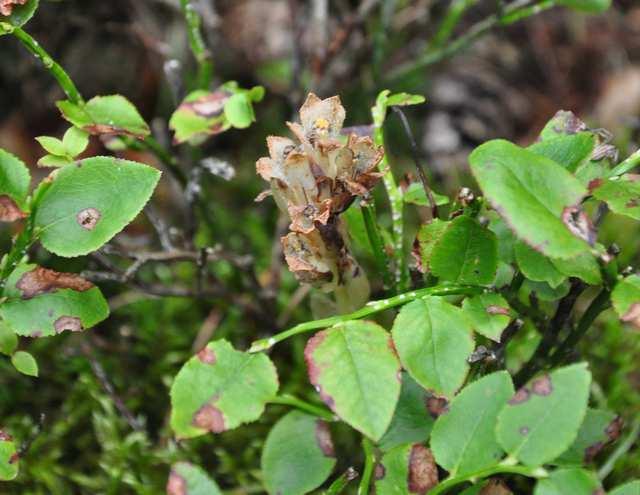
315,180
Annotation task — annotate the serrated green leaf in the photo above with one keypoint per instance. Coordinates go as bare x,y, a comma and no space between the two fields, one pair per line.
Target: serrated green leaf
542,420
188,479
406,469
14,187
8,457
569,151
621,194
592,6
537,197
466,253
21,14
489,314
356,371
598,429
568,481
298,455
428,237
411,422
433,339
536,266
8,339
25,363
75,141
626,300
200,115
41,302
632,488
584,266
54,161
90,202
238,111
112,114
52,145
463,440
219,389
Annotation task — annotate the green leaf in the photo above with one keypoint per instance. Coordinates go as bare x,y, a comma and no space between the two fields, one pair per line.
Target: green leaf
405,470
298,455
20,15
14,187
536,266
52,145
587,5
355,369
584,266
433,339
219,389
8,339
90,202
463,440
25,363
537,197
112,114
598,429
188,479
626,300
543,418
238,111
632,488
200,115
411,422
404,99
75,141
428,237
489,314
42,302
544,292
385,100
415,194
621,194
569,151
568,481
8,457
563,123
54,161
466,253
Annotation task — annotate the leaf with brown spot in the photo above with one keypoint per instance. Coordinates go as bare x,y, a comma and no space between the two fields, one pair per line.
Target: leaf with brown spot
14,187
8,459
188,479
489,314
298,455
570,481
408,469
42,302
622,195
599,429
9,210
219,396
626,300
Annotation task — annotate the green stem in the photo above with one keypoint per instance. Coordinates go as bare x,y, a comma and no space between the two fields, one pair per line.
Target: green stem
370,308
198,46
513,12
341,482
293,401
166,159
377,246
622,450
503,467
369,463
630,163
50,64
450,21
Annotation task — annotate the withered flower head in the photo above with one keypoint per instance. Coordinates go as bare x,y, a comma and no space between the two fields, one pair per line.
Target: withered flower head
313,181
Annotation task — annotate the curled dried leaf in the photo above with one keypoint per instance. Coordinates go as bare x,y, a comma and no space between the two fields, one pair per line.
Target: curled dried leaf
42,280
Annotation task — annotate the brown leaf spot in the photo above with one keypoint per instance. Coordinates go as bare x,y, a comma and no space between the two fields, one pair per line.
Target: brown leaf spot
423,473
632,203
436,406
497,310
380,472
521,396
632,315
6,6
9,210
176,485
88,218
207,356
614,429
323,438
524,430
495,487
579,224
209,418
594,184
313,370
542,385
592,451
599,491
70,323
5,437
42,280
209,105
15,457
